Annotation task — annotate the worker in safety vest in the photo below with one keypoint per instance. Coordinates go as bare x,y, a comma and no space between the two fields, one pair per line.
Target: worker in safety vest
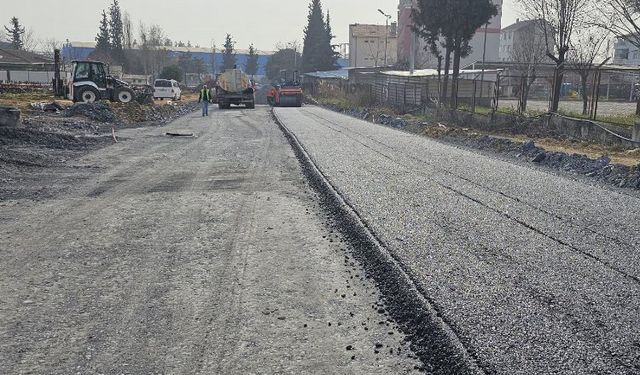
205,99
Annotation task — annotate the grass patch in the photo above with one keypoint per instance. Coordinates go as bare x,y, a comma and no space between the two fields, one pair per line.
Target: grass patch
623,120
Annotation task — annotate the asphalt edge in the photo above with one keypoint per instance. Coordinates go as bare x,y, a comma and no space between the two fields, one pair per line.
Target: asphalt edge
432,339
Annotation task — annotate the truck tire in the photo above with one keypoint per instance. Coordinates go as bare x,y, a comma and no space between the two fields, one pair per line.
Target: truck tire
251,105
87,94
124,95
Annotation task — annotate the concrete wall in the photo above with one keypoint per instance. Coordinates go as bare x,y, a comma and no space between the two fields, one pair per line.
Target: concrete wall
26,76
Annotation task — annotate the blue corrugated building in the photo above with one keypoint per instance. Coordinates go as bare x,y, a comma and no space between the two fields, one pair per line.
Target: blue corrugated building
81,50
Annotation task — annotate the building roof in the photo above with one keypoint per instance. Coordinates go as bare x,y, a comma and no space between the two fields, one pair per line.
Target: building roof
519,25
337,74
434,72
14,56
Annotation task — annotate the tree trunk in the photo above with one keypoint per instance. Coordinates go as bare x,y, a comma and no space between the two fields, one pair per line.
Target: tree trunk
585,97
527,89
447,66
521,104
557,83
454,81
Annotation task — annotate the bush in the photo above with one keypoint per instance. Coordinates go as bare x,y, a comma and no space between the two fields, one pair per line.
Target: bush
172,72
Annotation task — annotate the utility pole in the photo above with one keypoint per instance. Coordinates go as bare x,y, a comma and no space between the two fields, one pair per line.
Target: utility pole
484,59
412,55
386,35
213,59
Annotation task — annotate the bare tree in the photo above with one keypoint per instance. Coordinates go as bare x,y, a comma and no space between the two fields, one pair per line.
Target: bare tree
621,18
588,45
30,41
153,55
529,51
560,20
49,45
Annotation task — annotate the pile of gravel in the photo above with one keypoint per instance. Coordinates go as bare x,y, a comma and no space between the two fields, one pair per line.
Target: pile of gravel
600,169
130,113
53,140
99,111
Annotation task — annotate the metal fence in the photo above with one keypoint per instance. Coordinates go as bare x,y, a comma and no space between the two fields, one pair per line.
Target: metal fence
405,94
611,95
607,95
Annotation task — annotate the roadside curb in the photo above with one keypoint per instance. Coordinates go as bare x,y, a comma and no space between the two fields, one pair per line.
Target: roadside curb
432,339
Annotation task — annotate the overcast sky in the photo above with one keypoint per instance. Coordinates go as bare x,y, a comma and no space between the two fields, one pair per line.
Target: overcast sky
262,22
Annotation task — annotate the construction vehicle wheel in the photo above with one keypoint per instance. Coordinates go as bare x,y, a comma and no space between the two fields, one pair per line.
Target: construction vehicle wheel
88,95
124,95
251,105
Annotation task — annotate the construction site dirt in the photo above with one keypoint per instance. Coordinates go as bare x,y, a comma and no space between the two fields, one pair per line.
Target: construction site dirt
203,254
246,242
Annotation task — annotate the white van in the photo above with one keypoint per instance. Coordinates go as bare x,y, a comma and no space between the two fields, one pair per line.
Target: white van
166,88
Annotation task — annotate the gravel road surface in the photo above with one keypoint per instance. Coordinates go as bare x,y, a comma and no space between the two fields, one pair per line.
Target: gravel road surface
188,255
535,273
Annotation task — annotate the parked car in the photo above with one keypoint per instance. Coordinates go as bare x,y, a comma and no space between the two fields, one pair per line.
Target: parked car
166,89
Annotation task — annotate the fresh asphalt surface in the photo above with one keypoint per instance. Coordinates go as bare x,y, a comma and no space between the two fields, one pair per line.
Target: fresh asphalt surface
536,273
197,255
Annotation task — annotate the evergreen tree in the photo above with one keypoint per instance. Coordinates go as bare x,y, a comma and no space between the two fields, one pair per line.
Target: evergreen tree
328,27
228,55
15,32
252,61
103,43
317,53
288,59
116,31
451,24
172,72
332,55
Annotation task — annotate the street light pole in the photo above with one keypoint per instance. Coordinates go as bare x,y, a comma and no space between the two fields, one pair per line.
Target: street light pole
386,35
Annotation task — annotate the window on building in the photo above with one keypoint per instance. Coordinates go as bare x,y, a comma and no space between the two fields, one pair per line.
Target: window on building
635,55
622,54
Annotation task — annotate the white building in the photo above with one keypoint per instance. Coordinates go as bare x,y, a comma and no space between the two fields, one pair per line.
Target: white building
372,45
626,53
527,34
425,60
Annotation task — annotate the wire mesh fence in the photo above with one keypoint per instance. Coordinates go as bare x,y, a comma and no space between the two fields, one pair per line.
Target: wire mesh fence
605,95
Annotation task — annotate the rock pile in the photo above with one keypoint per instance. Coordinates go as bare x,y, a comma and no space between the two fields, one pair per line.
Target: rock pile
99,111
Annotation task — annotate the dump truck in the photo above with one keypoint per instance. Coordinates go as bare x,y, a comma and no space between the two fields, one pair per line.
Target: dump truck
235,87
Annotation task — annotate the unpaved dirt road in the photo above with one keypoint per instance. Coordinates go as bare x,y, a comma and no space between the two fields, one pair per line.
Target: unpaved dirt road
533,272
203,255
